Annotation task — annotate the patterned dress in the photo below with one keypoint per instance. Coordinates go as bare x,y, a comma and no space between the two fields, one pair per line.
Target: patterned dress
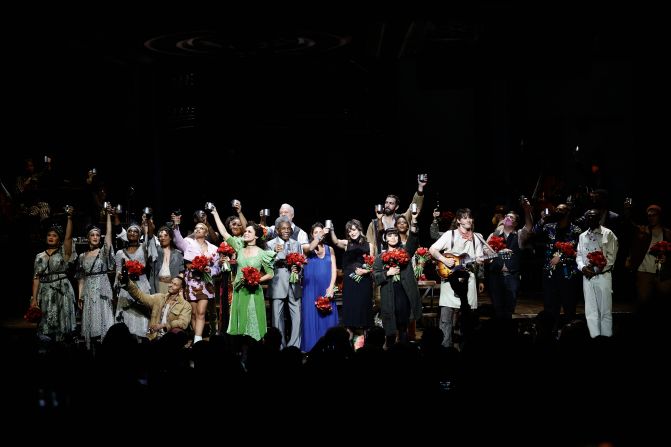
134,314
197,288
248,308
97,314
55,296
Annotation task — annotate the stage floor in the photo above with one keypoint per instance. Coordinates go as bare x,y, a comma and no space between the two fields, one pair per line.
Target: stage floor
526,308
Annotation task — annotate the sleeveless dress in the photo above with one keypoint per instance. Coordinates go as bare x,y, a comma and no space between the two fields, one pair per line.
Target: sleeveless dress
316,279
357,297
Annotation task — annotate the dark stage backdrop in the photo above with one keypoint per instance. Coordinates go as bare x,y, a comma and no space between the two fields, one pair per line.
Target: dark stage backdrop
272,109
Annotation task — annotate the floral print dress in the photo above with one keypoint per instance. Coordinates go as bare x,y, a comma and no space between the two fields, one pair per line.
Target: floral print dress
55,296
97,313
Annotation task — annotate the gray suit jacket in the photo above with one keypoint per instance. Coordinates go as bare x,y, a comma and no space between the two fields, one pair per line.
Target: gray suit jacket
279,286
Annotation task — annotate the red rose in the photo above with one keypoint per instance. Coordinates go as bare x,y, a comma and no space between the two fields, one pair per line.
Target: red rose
33,314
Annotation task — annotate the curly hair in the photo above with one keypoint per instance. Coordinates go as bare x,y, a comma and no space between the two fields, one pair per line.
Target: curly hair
169,232
229,220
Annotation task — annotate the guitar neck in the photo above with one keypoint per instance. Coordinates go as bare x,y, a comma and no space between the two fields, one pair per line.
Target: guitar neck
467,259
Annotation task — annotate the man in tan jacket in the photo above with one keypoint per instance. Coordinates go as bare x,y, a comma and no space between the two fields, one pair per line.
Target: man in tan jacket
168,310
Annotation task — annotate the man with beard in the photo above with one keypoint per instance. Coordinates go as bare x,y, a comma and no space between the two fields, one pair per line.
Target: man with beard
169,310
561,277
386,217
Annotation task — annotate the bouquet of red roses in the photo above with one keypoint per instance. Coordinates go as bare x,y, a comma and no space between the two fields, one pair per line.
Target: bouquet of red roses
135,269
422,256
299,261
323,305
200,266
395,258
251,277
226,250
33,314
566,249
368,261
497,243
660,248
597,259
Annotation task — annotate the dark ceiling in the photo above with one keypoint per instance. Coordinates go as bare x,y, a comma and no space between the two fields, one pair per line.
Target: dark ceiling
527,82
280,69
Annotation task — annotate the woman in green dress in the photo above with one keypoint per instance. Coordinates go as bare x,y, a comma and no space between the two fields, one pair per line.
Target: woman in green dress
248,308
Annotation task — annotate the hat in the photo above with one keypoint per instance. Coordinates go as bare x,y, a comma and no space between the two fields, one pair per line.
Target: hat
57,229
391,230
654,207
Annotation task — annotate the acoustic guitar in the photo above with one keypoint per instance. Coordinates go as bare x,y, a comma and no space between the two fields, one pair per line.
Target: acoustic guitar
465,260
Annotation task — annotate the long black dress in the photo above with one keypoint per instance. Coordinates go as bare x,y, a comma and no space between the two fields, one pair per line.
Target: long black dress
357,297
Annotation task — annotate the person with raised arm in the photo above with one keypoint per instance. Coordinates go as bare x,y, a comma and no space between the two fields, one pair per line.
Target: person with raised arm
357,295
319,278
95,290
386,216
255,266
52,291
202,262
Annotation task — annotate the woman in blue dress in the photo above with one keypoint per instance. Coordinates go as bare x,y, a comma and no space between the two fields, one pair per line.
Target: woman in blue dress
319,276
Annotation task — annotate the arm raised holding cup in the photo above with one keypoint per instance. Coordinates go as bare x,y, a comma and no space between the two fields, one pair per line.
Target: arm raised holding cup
236,205
340,243
255,266
385,215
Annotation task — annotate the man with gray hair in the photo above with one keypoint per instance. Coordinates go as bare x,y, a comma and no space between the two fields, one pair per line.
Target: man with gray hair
281,290
296,233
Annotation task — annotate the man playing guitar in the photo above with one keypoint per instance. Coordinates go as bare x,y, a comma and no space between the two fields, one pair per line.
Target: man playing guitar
459,241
